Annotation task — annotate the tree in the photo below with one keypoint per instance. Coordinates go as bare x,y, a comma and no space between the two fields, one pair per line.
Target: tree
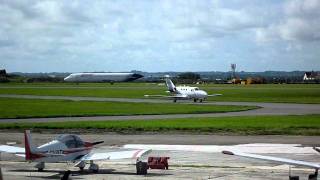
188,77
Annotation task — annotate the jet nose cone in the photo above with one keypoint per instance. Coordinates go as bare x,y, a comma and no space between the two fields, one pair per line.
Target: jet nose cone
204,93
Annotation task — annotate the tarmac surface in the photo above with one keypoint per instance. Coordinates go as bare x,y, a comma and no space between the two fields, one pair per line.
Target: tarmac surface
182,164
266,109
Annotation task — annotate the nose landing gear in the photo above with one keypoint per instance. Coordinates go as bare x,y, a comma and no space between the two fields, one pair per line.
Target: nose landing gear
93,167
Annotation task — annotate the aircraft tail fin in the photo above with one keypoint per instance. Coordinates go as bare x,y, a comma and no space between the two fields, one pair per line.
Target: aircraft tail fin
169,84
29,147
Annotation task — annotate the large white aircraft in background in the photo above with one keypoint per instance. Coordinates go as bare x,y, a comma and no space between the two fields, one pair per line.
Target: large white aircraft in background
70,148
184,92
312,165
102,77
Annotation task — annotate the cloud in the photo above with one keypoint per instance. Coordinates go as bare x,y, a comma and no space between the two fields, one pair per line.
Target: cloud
121,35
299,23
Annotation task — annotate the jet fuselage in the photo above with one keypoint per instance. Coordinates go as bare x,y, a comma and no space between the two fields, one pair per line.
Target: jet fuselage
102,77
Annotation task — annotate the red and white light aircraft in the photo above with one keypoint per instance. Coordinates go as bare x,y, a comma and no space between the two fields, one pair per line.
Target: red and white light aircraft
184,92
67,147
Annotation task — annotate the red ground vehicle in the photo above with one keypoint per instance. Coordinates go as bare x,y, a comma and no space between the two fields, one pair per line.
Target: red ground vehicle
158,162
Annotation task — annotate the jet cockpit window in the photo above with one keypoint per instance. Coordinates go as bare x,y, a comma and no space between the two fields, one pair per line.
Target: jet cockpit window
196,89
71,141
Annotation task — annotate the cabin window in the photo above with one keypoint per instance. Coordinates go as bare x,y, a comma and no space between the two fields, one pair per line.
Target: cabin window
71,144
71,141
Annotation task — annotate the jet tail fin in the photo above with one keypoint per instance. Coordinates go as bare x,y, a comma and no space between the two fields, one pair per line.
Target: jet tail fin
169,84
29,147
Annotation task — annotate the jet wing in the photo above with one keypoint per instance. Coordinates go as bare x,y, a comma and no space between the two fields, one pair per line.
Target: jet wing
212,95
12,149
274,159
134,154
164,96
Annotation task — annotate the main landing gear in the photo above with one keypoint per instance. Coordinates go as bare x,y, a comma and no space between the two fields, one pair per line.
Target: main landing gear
93,167
81,165
142,168
313,176
200,100
40,166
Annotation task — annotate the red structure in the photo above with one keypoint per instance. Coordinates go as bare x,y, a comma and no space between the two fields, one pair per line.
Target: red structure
158,162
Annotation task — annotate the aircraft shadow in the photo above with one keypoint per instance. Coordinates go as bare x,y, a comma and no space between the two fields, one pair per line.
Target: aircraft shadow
78,174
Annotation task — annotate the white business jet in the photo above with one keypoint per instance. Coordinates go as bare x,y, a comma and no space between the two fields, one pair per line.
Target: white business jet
70,148
184,92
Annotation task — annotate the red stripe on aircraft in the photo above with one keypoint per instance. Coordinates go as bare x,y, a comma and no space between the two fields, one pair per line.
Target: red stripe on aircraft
136,153
75,150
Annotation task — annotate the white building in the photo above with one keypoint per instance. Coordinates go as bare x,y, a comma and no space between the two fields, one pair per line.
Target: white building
310,76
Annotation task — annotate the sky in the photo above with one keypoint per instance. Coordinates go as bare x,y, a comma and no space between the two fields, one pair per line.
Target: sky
159,35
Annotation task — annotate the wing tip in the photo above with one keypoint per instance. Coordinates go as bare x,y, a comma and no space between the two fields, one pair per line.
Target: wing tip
141,152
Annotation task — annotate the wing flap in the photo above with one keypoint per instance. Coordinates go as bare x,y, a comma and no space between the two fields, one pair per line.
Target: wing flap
116,155
274,159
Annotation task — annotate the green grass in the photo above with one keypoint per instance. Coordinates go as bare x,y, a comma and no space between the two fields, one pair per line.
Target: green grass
288,93
259,125
24,108
114,92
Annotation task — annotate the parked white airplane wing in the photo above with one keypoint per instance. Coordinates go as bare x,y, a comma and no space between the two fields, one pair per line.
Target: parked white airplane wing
274,159
116,155
12,149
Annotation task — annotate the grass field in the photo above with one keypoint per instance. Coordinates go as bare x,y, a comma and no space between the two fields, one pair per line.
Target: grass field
23,108
261,125
290,93
269,93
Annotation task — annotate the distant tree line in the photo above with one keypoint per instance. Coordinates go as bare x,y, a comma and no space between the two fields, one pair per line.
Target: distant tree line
188,78
3,76
44,79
